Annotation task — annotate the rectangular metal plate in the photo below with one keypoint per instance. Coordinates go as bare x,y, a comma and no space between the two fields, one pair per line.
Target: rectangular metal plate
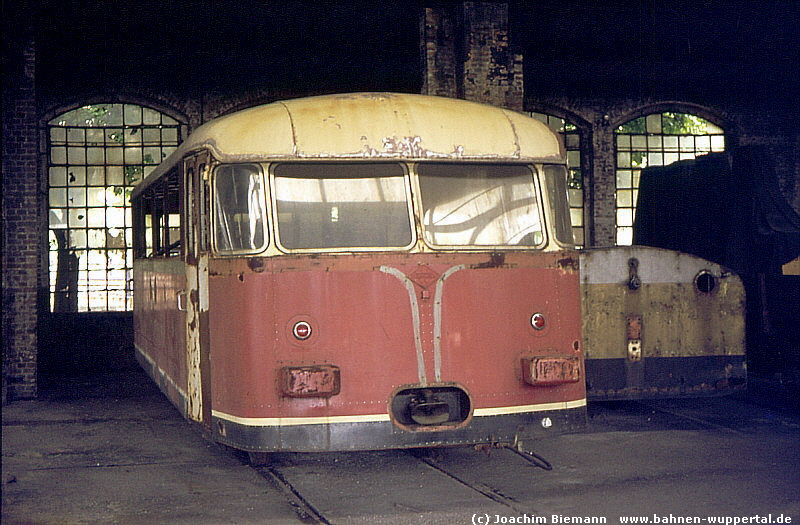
633,327
310,381
550,370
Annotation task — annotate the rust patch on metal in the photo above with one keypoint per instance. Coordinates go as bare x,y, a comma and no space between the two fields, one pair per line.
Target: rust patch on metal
569,264
310,381
550,370
722,386
633,327
633,331
257,264
496,260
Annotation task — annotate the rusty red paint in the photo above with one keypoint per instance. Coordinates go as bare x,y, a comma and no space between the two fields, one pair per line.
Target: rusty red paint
362,322
423,276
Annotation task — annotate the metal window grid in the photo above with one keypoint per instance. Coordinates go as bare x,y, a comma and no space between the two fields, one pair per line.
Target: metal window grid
97,154
658,139
572,142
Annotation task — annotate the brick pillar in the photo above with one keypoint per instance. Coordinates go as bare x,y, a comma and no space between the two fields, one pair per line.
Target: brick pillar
492,74
465,54
438,35
604,218
21,222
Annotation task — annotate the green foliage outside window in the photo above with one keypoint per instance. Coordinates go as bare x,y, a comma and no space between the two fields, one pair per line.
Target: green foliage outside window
669,123
97,154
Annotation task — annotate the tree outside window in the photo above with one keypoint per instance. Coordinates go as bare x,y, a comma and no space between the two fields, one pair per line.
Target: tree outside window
97,154
658,139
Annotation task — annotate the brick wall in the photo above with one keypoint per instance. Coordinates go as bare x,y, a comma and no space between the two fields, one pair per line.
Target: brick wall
438,53
21,226
465,54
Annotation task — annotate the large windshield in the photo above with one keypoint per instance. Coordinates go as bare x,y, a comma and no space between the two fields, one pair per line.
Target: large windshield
342,205
479,205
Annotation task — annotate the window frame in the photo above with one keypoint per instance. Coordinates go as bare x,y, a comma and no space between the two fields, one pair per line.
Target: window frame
406,175
213,211
90,149
578,169
158,202
537,185
654,141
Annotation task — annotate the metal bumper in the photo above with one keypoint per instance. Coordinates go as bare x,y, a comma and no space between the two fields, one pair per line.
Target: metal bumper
376,435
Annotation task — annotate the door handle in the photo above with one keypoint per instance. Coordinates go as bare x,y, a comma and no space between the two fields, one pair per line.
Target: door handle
181,296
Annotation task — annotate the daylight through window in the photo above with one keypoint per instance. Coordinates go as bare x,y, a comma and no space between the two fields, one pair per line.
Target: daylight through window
658,139
97,154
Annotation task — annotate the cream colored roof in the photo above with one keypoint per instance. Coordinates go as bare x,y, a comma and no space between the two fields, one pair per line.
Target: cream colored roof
372,125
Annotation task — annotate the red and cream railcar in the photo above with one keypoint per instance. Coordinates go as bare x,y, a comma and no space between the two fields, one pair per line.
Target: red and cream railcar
362,271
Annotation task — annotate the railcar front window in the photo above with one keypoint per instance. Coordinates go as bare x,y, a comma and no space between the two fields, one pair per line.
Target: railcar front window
479,205
240,213
336,206
556,177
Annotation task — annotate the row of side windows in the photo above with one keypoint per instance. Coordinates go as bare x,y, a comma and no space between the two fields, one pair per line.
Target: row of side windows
159,210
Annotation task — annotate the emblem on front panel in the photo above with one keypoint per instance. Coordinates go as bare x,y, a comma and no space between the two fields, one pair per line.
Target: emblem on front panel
423,276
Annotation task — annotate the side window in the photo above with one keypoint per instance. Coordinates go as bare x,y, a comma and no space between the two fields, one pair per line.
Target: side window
202,202
556,177
191,205
158,210
239,203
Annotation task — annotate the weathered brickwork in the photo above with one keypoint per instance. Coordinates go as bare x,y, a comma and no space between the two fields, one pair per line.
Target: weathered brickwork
438,53
21,228
465,54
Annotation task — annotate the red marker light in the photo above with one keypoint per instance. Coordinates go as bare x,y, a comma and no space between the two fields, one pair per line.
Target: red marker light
301,330
537,321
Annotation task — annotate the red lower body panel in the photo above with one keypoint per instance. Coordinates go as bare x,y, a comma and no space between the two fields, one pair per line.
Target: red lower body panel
419,349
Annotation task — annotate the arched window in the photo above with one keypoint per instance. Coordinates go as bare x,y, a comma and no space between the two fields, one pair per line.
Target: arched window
97,154
572,141
658,139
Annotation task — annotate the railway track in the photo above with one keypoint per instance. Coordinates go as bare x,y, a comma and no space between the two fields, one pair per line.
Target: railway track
306,512
321,488
732,414
453,485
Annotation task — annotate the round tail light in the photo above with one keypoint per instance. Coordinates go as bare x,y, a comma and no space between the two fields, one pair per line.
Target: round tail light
301,330
538,321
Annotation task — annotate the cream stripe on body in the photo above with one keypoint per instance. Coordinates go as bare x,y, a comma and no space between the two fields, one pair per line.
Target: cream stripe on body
376,418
